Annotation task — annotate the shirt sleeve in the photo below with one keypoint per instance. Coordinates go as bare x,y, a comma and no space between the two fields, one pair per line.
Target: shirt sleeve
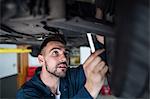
78,79
83,93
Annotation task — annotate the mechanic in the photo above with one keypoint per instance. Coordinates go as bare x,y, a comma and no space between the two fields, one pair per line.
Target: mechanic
55,80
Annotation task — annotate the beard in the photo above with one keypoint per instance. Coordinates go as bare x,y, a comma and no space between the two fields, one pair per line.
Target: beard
55,71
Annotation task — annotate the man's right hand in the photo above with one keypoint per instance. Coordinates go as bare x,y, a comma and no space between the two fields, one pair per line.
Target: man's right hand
95,70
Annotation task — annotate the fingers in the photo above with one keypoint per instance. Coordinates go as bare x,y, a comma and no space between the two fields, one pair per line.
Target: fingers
97,52
104,70
100,66
94,63
93,56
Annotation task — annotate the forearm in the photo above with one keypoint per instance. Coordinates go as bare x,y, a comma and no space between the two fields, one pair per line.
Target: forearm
93,90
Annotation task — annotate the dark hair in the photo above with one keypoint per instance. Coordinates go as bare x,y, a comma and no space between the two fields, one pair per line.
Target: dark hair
53,37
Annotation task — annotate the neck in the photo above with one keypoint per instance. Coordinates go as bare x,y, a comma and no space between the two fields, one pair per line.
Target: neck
50,81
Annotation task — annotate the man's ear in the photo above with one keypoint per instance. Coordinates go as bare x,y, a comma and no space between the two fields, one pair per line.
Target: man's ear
40,59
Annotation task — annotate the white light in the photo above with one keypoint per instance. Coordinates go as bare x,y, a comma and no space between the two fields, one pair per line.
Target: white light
89,35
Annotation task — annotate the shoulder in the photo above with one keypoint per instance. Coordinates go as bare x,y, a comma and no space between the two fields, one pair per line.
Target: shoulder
27,91
32,88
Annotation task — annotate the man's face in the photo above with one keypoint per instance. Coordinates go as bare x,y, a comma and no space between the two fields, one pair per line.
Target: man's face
55,58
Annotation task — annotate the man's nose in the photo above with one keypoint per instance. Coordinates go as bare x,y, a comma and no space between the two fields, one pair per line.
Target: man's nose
63,57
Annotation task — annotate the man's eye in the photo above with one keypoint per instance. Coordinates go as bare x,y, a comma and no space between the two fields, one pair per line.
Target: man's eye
55,53
67,53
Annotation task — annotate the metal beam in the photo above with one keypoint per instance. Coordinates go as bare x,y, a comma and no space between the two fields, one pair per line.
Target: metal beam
14,50
82,26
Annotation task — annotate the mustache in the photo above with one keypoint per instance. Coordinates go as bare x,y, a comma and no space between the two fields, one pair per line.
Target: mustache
65,63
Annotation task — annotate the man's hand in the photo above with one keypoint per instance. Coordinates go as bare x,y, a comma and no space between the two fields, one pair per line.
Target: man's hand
95,70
